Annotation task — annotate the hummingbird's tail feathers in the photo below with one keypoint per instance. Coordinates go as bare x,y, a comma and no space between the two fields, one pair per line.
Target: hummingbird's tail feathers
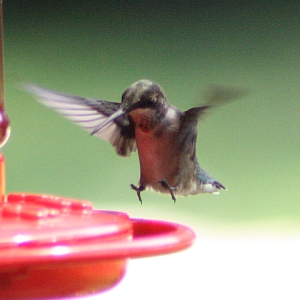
207,183
219,185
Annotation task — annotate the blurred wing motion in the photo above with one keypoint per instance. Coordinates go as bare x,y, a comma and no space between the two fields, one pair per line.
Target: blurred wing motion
90,114
216,95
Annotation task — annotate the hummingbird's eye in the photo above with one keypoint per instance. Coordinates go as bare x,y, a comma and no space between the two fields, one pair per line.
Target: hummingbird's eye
151,102
148,100
144,102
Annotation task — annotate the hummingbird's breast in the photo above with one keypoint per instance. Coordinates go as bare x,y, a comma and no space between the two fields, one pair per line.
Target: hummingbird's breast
156,137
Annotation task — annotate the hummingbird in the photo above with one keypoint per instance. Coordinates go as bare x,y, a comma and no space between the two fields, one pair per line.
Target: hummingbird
164,136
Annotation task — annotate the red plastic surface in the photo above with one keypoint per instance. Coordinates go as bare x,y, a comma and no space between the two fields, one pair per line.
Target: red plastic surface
56,247
40,228
36,220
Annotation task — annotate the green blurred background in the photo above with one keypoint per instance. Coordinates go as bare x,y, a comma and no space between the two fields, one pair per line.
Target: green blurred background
98,48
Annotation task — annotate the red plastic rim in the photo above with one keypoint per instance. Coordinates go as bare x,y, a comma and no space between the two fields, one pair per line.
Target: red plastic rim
149,238
42,229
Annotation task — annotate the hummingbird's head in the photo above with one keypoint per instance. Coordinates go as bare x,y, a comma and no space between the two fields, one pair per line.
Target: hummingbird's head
143,94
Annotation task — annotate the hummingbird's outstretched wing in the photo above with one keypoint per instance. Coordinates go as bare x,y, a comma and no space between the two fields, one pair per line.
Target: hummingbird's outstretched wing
188,130
187,142
215,95
90,114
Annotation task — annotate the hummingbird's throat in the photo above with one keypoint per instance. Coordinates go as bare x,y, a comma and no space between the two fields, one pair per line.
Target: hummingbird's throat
144,119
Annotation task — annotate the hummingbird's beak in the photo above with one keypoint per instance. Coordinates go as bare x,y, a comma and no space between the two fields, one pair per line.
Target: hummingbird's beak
112,117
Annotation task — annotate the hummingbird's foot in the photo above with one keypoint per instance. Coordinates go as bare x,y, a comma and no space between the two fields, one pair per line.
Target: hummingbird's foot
138,191
165,185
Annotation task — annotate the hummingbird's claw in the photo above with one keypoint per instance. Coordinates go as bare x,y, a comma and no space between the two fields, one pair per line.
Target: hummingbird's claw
165,185
138,191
